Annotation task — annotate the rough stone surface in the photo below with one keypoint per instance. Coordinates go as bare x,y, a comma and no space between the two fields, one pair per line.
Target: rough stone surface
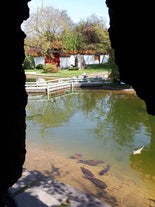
131,42
35,189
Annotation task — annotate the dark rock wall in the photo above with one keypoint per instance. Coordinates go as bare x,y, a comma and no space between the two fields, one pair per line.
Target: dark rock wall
13,94
132,38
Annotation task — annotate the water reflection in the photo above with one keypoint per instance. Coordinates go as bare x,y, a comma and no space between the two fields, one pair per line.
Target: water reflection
144,162
104,125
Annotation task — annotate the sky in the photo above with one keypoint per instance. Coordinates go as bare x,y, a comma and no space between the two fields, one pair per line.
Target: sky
76,9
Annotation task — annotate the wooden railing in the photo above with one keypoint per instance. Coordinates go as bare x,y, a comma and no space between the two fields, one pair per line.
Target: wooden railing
43,86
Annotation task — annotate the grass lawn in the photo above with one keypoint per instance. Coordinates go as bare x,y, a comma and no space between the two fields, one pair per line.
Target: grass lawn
67,73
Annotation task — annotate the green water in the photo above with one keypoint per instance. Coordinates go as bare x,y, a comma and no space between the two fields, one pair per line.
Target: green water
104,125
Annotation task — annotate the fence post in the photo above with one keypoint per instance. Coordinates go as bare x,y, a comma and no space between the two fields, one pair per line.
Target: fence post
72,86
47,90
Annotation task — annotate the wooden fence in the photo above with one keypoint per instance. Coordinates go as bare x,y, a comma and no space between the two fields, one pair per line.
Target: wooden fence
43,86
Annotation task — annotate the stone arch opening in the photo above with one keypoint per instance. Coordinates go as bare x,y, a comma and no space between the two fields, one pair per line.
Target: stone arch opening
129,38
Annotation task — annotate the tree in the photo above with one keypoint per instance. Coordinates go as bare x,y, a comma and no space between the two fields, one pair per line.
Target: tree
73,43
44,28
95,34
90,35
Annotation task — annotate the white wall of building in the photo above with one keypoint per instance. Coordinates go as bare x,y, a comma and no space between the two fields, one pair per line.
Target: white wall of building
39,60
66,62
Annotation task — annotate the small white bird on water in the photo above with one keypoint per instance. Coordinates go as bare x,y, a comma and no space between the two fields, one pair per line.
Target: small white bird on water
138,151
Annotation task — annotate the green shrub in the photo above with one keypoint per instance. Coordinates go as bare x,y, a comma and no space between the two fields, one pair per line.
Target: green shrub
40,66
114,75
29,62
50,68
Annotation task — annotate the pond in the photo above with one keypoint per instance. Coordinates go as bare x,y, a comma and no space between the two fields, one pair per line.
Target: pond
73,130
